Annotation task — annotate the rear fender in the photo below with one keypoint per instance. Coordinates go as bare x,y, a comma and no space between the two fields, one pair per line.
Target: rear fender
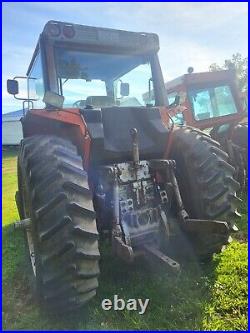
66,123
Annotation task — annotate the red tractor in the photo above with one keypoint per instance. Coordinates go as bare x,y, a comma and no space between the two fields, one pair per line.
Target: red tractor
211,101
96,160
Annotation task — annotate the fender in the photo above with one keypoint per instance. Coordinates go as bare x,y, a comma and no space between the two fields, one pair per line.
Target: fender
66,123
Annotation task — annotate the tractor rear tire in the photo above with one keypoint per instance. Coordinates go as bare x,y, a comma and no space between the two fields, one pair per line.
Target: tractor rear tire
205,177
235,143
240,135
240,139
54,193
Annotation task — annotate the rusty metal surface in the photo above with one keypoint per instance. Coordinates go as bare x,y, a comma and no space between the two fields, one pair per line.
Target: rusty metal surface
155,255
140,206
122,250
206,236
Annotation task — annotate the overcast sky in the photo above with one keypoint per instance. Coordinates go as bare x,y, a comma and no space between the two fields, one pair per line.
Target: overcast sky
191,34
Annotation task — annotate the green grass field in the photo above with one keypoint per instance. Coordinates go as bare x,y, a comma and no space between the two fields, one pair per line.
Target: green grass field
208,297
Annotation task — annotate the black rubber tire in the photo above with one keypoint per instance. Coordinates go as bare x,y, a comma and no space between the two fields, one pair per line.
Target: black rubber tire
206,183
238,153
204,176
64,229
240,138
240,135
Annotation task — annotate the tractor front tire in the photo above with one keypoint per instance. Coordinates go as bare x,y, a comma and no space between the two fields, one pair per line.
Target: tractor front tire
63,238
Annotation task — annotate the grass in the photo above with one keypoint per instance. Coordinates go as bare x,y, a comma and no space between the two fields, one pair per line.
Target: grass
210,297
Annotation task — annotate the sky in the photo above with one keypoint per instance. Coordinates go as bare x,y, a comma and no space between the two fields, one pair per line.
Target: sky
191,34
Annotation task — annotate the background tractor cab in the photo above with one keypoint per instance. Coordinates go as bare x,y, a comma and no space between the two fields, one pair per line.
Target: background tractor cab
211,101
210,98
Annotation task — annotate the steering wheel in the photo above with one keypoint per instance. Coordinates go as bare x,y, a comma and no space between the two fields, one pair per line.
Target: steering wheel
79,104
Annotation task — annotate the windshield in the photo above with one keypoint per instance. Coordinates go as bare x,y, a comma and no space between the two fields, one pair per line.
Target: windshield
212,102
101,79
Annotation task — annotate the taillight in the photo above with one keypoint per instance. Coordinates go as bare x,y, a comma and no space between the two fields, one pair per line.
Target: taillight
68,31
54,29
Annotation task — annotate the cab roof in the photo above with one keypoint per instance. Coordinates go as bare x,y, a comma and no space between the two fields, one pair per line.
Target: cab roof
202,77
102,37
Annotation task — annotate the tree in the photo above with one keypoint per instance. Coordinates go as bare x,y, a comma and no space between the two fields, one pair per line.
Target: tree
240,64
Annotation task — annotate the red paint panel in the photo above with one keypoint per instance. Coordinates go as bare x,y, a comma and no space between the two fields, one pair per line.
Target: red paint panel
66,123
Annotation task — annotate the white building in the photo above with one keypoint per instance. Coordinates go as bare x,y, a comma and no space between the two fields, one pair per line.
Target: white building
12,132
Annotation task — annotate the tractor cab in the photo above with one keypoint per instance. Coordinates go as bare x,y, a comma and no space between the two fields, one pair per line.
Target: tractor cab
211,101
92,68
103,73
210,98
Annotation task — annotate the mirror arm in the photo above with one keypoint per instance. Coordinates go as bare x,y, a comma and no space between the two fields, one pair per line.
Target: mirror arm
25,99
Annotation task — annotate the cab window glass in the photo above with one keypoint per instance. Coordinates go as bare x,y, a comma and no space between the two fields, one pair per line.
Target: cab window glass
36,83
212,102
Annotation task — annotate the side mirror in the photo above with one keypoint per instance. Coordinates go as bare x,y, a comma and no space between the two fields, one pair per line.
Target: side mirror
124,89
12,87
